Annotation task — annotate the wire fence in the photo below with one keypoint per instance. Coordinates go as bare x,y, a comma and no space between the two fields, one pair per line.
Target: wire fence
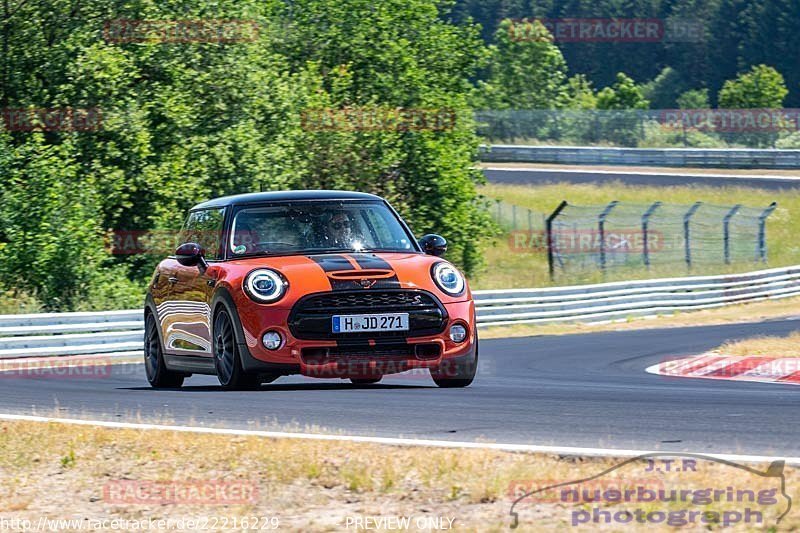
590,238
644,128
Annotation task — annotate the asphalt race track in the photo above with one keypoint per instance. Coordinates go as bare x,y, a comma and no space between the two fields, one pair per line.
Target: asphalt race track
579,390
539,176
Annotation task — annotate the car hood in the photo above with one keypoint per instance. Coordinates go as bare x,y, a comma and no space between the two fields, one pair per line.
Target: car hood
351,271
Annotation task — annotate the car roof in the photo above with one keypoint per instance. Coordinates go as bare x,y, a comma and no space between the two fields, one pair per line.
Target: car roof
283,196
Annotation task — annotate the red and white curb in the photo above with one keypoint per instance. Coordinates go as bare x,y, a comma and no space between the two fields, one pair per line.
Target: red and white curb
713,365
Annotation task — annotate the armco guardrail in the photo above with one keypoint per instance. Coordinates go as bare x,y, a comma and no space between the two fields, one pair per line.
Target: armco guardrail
620,300
45,334
660,157
121,332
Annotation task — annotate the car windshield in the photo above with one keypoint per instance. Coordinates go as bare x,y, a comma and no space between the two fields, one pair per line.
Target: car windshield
317,227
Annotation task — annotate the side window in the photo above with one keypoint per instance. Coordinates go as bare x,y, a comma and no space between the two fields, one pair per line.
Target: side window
205,228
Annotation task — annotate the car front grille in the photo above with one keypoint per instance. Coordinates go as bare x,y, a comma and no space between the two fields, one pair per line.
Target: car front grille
347,301
311,316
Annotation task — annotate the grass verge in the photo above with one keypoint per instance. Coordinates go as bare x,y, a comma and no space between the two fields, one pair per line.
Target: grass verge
84,473
764,346
508,268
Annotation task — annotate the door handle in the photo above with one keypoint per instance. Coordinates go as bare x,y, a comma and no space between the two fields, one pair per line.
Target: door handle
172,280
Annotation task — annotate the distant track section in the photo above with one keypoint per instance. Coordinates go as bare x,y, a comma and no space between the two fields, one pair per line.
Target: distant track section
642,157
540,176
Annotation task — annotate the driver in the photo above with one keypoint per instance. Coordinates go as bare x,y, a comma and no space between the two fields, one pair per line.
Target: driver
340,231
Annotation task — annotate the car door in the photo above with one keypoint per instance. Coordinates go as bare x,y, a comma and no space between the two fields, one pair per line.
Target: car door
189,329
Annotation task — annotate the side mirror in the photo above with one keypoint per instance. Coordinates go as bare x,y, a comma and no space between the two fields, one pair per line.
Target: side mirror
190,254
433,244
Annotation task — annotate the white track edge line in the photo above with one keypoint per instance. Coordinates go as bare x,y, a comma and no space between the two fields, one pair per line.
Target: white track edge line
394,441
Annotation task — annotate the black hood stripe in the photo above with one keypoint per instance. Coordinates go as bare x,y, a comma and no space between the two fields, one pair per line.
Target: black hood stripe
371,261
332,263
368,261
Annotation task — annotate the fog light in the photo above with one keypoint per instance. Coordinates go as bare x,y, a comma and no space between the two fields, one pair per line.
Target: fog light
272,340
458,333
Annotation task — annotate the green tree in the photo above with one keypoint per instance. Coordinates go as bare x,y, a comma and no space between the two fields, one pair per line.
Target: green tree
48,213
621,122
770,37
623,94
694,99
526,70
361,55
186,121
664,89
716,38
581,93
761,87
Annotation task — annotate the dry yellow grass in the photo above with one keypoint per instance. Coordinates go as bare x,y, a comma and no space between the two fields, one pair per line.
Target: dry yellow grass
766,346
753,312
64,472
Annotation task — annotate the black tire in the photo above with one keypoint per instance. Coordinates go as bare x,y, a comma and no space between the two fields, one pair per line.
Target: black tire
227,361
365,381
159,376
459,375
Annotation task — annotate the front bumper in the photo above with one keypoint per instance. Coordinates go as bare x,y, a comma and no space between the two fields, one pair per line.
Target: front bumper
352,357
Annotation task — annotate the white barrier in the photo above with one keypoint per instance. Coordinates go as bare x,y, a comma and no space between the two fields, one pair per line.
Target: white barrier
122,331
620,300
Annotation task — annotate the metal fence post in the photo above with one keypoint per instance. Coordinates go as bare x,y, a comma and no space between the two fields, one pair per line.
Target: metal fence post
601,226
686,233
513,216
726,234
549,231
499,212
530,224
762,231
646,236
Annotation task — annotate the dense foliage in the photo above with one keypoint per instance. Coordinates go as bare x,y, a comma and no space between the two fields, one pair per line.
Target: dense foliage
185,121
736,34
182,121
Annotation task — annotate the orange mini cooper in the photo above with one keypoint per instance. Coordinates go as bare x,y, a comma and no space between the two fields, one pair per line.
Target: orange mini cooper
326,284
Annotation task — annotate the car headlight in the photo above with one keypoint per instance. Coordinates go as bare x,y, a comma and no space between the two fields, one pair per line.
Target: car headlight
265,285
448,278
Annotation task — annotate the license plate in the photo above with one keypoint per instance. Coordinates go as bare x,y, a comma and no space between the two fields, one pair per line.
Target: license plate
360,323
